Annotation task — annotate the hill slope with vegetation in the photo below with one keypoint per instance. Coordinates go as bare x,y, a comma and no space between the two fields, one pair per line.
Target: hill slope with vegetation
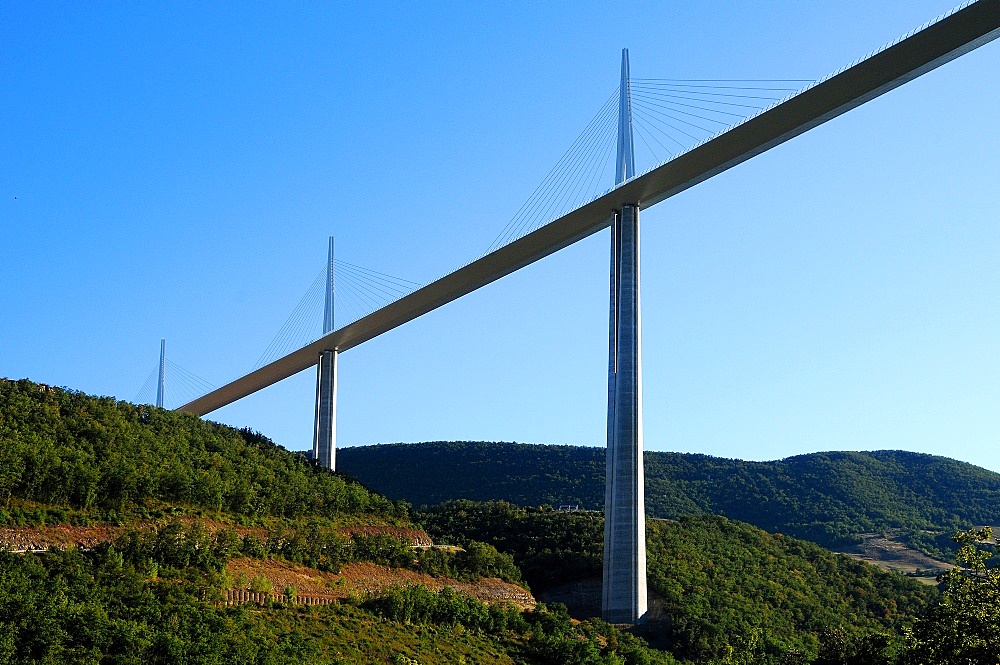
717,586
65,449
199,533
177,510
828,498
156,599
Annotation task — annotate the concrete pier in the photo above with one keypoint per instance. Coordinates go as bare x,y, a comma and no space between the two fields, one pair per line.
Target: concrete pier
325,437
624,594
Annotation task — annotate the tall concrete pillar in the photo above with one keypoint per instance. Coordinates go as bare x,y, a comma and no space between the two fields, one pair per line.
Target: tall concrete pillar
624,598
325,437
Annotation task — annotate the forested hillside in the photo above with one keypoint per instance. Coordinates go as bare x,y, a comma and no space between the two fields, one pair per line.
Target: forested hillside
154,588
155,598
828,498
104,457
203,533
719,586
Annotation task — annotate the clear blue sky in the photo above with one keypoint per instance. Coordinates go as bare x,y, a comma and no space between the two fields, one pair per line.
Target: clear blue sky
174,169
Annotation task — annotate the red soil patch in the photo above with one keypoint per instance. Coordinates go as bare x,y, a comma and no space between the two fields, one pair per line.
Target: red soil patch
366,578
24,538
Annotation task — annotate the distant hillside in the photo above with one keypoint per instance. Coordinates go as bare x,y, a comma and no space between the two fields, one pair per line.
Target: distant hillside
828,498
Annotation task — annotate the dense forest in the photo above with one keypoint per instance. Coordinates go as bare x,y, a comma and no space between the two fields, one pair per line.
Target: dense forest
103,457
828,498
188,499
720,586
155,598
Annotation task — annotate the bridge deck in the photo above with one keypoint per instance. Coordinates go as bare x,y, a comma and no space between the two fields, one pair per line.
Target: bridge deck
954,35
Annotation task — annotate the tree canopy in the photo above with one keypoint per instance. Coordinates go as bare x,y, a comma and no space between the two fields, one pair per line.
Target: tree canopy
964,627
828,498
721,588
64,448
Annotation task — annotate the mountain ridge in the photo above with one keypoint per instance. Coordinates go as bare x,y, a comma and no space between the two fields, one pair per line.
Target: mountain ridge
830,498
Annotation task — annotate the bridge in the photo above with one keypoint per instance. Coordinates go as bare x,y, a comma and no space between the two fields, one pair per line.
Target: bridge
624,599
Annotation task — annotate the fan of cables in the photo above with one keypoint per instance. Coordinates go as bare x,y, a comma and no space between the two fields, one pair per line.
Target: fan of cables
358,292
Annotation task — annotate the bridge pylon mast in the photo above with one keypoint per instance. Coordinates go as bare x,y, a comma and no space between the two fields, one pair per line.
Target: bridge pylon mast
325,431
624,591
160,382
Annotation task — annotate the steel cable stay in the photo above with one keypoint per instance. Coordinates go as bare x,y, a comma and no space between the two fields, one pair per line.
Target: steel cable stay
662,112
642,114
639,132
691,82
542,192
679,93
365,301
588,161
651,112
347,300
568,193
662,107
698,95
670,153
649,125
601,167
550,194
652,100
638,119
737,111
394,285
529,210
305,327
295,321
559,197
391,278
672,130
147,393
179,385
358,292
667,112
676,111
367,291
372,286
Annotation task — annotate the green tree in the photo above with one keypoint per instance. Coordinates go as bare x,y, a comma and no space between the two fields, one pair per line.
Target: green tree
964,628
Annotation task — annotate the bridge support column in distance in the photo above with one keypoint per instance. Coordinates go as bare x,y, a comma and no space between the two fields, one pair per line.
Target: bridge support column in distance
325,437
624,594
160,384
